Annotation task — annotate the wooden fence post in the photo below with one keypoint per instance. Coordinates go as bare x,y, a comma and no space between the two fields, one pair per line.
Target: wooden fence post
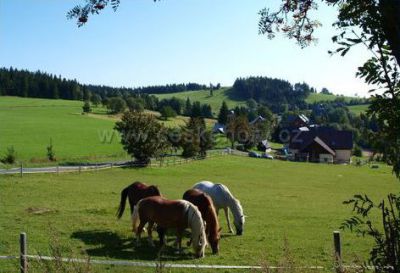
21,171
58,171
338,251
22,253
80,169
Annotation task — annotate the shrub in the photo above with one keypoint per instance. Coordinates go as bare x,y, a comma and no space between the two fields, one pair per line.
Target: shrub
167,112
357,151
86,107
116,105
51,155
385,254
10,156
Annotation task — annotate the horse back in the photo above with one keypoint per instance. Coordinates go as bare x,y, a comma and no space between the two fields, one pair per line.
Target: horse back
166,213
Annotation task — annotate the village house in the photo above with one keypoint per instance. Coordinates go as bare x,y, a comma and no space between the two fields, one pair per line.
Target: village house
321,144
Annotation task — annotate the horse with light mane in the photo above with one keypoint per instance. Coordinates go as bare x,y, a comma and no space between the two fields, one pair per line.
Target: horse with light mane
223,199
178,214
135,192
205,204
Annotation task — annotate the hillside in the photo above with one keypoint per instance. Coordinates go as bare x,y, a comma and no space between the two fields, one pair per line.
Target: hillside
317,97
28,124
203,96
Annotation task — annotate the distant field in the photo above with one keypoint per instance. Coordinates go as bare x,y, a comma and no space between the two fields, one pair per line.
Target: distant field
28,124
204,97
358,109
316,97
298,201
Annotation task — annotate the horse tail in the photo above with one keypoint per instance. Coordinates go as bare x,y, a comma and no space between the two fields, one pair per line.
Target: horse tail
136,217
121,209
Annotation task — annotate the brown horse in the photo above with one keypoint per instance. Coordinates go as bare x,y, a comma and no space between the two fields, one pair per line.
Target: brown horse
135,192
178,214
206,207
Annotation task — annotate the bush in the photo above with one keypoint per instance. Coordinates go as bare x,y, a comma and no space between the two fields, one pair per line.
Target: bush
385,254
51,155
10,156
167,112
135,104
116,105
86,107
357,151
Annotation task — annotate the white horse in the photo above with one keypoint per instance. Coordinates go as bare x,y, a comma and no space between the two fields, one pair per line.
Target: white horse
223,199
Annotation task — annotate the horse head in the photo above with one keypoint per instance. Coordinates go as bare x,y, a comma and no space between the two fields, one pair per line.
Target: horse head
214,241
239,217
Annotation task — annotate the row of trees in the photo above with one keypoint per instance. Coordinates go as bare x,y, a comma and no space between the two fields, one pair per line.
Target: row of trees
23,83
274,93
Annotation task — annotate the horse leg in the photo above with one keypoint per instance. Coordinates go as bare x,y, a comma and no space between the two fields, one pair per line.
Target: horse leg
161,234
178,242
227,219
139,232
149,233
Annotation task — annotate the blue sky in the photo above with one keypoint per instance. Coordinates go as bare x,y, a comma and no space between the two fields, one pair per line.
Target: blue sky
172,41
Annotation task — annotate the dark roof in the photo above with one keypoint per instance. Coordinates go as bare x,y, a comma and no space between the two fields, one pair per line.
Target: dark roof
336,140
321,143
292,118
257,119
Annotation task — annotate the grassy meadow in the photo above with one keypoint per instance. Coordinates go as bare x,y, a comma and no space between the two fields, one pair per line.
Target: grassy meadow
358,109
298,201
203,96
28,124
316,97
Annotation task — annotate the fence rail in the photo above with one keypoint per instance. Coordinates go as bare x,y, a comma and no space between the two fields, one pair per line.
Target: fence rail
24,258
154,163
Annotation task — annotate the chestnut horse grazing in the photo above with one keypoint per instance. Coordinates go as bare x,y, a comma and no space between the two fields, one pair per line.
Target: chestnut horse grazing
223,199
205,204
179,214
135,192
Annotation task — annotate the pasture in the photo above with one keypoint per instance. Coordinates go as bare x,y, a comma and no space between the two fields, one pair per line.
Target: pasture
28,124
298,201
203,96
317,97
358,109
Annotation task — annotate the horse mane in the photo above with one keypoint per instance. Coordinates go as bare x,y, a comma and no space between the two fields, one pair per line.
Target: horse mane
154,190
212,218
195,221
236,209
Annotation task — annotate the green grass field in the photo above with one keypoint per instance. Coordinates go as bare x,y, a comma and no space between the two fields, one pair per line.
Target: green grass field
28,124
358,109
316,97
203,96
298,201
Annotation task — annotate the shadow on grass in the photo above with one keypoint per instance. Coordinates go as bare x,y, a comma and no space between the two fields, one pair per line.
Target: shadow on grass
111,245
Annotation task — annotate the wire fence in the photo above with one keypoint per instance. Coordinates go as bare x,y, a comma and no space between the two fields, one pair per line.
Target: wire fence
165,161
24,258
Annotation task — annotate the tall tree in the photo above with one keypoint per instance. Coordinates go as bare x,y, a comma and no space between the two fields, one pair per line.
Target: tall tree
223,113
142,136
